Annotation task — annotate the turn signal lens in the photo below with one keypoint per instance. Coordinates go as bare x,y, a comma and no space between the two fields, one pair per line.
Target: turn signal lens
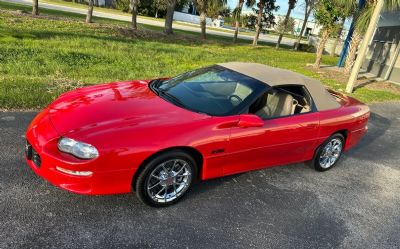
73,172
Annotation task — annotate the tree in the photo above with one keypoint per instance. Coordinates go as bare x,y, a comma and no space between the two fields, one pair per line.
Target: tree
265,17
135,4
292,4
158,5
339,34
237,15
225,11
249,21
169,16
90,11
216,8
203,6
326,14
123,5
376,6
288,27
35,7
309,6
361,19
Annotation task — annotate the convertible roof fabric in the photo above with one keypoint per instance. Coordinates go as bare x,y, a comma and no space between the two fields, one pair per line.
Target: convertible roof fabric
279,77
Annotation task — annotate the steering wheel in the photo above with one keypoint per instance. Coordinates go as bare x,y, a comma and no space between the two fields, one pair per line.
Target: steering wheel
235,100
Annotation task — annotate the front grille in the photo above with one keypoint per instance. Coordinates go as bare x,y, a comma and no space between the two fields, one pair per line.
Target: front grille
31,154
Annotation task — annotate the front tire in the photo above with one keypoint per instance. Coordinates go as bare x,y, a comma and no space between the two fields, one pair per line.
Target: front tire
166,178
328,154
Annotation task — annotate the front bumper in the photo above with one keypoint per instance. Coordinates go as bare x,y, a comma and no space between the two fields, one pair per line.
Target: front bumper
45,158
99,183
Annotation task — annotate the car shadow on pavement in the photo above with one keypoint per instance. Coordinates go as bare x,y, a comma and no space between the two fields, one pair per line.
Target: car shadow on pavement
377,128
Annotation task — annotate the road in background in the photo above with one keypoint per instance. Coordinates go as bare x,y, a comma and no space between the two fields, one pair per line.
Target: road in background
264,38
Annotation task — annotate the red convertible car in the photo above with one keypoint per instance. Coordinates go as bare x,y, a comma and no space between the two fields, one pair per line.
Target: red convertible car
157,137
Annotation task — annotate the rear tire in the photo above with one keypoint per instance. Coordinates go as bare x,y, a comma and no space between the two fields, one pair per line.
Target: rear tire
166,178
329,153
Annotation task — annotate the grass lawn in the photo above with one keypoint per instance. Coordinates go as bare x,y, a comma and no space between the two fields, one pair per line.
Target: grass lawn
161,20
99,9
43,57
119,12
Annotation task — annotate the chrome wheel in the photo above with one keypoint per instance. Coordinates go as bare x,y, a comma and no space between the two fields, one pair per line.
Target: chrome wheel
169,180
330,153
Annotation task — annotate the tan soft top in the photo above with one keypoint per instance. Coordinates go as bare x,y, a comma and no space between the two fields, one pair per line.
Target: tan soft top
279,77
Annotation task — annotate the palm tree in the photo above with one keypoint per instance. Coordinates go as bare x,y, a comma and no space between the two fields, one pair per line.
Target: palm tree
135,4
339,34
169,16
35,7
348,9
202,6
362,19
260,5
292,4
353,46
327,13
309,6
371,16
90,11
265,17
237,13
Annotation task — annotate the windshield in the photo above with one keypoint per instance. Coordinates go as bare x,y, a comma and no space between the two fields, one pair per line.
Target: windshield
215,90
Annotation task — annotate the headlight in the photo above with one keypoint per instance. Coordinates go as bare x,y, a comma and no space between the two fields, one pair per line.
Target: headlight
78,149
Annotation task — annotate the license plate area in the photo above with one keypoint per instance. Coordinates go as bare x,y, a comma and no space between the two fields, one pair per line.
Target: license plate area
28,150
32,155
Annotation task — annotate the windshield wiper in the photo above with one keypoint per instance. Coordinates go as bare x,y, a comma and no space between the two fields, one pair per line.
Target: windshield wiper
163,93
154,84
171,97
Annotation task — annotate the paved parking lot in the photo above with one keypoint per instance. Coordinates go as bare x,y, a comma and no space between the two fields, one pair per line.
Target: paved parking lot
354,205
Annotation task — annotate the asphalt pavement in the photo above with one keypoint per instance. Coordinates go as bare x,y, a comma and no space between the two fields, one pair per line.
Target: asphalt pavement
354,205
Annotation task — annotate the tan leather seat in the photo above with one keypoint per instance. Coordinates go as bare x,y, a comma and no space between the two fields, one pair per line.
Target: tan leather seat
278,104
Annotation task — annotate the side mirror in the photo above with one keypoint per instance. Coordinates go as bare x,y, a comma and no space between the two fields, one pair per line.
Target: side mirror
250,120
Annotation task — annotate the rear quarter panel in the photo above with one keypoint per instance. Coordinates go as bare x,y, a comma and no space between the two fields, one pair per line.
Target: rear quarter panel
352,118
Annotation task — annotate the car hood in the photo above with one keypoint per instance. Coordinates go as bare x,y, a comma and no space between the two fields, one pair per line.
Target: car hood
113,105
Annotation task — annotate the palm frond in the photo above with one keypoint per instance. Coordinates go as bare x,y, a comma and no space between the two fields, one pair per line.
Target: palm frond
392,5
250,3
236,13
364,18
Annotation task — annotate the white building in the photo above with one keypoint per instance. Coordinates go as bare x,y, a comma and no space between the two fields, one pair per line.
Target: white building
312,28
185,17
189,14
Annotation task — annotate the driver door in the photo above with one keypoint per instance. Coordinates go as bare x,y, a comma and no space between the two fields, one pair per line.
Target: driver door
281,140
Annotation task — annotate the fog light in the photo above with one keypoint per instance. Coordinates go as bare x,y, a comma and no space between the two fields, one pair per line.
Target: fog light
74,173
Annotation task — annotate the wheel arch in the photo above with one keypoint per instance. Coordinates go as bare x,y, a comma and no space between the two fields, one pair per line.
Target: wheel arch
343,132
193,152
